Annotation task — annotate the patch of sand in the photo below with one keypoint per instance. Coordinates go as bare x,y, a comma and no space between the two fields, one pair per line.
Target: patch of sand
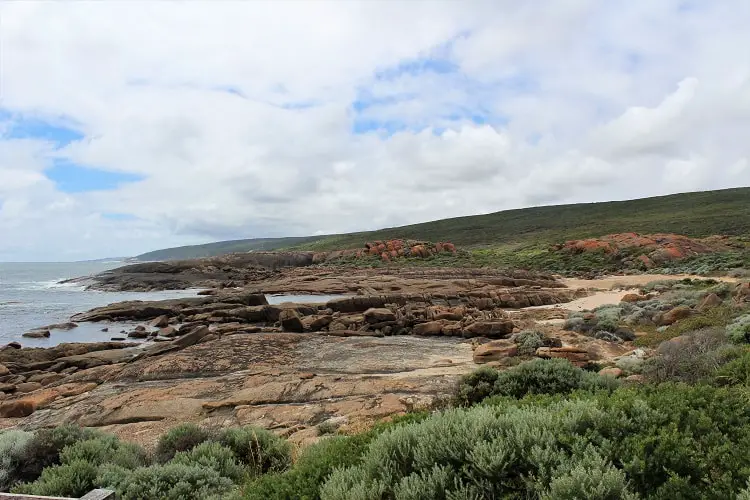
628,282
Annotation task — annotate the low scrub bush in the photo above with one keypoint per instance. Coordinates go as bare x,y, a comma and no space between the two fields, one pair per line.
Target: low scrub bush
165,482
739,329
184,437
310,470
555,376
13,445
528,341
670,442
105,449
213,456
261,451
690,358
43,450
73,479
735,371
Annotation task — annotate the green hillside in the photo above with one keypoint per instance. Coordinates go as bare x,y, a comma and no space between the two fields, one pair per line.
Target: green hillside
223,247
692,214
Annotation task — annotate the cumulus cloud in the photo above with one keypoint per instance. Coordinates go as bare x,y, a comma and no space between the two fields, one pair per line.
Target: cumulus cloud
253,119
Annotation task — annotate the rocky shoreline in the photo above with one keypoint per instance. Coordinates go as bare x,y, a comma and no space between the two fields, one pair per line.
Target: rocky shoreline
398,339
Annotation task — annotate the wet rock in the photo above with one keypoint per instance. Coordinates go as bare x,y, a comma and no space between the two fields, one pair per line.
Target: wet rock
290,321
14,345
160,322
105,330
37,334
117,339
168,331
61,326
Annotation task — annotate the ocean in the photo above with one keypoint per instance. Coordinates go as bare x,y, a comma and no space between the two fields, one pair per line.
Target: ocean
31,297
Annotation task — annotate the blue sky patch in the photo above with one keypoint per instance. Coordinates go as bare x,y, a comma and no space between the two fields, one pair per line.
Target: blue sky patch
117,216
71,178
58,131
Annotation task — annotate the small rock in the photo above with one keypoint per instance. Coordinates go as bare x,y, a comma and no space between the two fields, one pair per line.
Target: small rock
638,379
160,322
429,328
37,334
711,301
136,334
62,326
7,387
633,297
491,329
14,345
379,315
169,331
105,329
612,372
306,376
139,328
495,351
290,321
28,387
673,316
4,370
117,339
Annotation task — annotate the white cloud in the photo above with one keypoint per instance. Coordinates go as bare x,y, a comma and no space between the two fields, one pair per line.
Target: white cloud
240,115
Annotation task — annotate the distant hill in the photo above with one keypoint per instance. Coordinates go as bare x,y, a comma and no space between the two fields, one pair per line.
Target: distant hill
223,247
692,214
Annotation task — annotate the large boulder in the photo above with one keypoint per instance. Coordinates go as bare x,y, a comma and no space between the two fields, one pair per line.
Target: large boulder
290,321
490,329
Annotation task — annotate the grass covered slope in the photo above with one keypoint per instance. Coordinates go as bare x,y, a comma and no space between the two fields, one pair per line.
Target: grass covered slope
691,214
223,247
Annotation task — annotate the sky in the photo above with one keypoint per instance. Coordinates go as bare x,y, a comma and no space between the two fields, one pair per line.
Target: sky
132,126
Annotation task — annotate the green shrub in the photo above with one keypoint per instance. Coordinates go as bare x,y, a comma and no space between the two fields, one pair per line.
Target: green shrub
105,449
44,449
184,437
528,341
213,456
13,445
73,479
739,329
260,450
688,359
735,371
165,482
476,386
590,478
661,442
311,469
554,376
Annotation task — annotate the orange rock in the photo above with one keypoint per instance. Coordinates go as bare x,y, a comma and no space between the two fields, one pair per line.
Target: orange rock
612,372
633,297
